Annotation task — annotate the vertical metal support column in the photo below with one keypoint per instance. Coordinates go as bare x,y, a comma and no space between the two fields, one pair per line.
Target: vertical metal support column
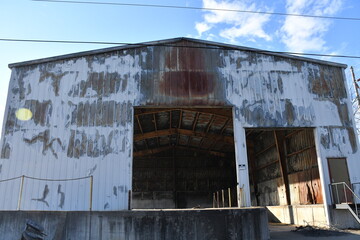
229,193
129,199
91,192
214,200
241,157
323,172
223,198
21,191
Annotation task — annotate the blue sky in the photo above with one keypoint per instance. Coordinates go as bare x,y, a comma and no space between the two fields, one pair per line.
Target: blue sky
26,19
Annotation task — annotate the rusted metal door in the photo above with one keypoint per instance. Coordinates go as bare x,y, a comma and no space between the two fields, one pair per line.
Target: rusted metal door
339,174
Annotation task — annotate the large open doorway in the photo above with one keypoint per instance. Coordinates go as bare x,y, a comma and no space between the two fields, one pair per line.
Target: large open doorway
181,156
283,167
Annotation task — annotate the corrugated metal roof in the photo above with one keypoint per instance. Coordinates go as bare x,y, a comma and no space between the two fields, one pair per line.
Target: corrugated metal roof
172,41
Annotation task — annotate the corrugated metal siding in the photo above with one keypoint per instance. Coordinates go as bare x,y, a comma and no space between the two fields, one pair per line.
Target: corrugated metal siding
82,126
82,122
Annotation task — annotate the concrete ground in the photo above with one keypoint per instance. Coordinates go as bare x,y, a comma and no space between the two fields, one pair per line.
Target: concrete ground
284,231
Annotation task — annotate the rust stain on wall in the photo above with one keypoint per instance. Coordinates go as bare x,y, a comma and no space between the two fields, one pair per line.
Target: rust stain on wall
187,74
327,82
352,139
104,84
41,111
289,112
5,150
20,87
93,145
343,111
54,77
99,113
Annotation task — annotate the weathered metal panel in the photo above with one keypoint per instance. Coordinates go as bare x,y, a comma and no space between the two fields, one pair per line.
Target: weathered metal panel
182,76
81,126
83,110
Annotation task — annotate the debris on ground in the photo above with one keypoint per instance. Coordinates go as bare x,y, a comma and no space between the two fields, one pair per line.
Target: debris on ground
318,231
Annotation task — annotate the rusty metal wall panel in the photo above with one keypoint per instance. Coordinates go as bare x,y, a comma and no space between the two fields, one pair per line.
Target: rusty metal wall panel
180,76
302,165
83,110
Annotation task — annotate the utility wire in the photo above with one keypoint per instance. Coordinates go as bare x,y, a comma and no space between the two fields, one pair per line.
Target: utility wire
176,46
200,8
60,41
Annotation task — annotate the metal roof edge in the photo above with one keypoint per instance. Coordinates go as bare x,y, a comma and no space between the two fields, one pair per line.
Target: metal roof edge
267,52
167,41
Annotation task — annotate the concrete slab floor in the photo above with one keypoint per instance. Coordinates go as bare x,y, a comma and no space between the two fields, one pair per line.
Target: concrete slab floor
283,232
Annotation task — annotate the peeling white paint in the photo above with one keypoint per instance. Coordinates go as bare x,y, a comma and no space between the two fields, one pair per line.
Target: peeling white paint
265,91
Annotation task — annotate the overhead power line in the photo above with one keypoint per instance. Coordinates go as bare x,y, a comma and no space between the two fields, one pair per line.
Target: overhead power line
171,45
200,8
59,41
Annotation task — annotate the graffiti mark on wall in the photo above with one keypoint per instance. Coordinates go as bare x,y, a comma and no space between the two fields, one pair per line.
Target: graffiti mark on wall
47,141
42,199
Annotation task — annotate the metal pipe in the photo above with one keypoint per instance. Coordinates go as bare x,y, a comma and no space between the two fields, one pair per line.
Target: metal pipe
337,194
229,193
91,192
350,190
21,191
218,200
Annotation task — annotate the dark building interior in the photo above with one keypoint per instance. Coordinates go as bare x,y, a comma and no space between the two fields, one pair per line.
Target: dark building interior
182,156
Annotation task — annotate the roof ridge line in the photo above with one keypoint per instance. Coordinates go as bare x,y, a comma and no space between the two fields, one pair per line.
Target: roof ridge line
167,41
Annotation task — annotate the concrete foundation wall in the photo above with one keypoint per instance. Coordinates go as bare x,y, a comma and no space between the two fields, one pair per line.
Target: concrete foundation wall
247,224
298,214
153,203
342,218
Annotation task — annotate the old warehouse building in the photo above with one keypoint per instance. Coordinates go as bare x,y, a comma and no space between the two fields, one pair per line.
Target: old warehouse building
166,124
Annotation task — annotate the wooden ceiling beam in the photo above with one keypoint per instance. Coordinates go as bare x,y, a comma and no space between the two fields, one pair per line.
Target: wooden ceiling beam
195,121
207,129
141,130
138,121
215,153
148,152
225,125
185,132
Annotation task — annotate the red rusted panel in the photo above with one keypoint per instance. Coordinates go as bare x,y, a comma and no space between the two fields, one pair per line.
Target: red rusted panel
316,186
310,187
186,75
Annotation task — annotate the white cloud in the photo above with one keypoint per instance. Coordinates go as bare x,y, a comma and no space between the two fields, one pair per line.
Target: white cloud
202,27
307,34
235,24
